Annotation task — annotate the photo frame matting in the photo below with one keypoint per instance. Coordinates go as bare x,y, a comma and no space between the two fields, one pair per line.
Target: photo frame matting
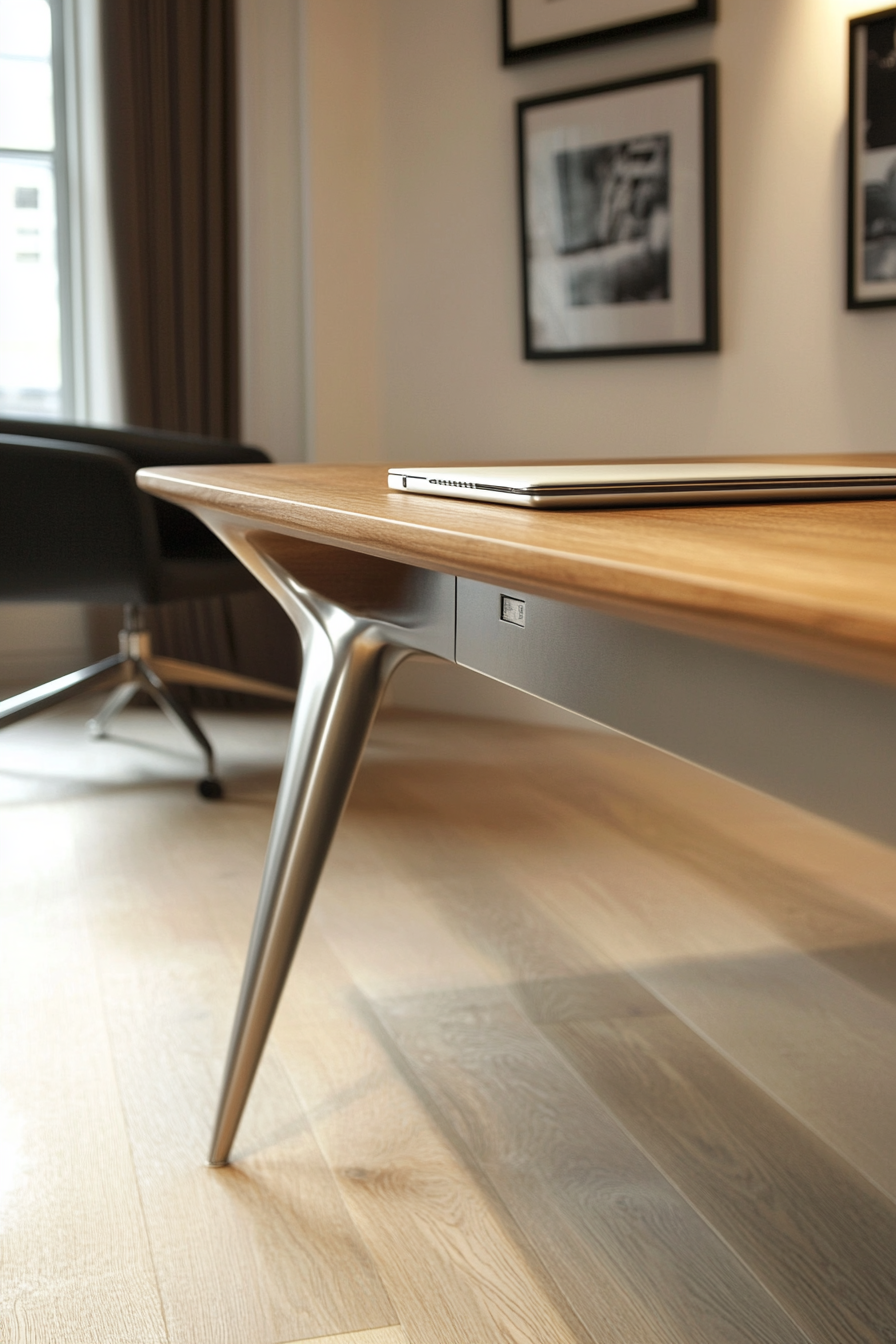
618,217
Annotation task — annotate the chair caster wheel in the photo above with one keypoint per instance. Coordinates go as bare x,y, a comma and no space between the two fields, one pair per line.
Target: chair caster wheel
210,788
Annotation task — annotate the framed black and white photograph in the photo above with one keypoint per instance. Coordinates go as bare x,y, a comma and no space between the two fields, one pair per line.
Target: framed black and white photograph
534,28
871,245
619,217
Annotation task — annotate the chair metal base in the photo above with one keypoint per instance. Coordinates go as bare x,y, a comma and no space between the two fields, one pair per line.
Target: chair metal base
135,668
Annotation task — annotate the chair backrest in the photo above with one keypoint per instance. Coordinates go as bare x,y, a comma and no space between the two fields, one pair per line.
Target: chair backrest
181,535
144,447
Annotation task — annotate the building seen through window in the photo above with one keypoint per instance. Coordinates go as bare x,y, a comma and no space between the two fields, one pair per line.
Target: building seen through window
32,192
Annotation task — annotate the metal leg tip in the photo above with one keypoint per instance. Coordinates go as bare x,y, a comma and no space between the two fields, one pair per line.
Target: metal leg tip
224,1162
210,788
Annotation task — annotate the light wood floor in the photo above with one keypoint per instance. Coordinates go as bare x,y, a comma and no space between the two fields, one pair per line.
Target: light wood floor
582,1045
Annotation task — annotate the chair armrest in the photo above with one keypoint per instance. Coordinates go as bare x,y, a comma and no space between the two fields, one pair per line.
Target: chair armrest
73,525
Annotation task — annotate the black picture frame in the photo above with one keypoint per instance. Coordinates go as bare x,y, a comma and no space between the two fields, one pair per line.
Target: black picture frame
690,12
871,200
659,321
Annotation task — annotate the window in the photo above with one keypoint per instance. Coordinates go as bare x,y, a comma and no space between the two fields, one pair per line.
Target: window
35,340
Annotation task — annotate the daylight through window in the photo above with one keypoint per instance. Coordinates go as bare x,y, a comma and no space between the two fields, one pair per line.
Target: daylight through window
32,378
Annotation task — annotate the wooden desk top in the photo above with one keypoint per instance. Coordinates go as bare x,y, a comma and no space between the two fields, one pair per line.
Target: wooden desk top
814,582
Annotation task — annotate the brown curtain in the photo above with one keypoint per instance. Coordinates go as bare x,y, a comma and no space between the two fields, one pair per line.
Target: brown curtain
170,75
171,127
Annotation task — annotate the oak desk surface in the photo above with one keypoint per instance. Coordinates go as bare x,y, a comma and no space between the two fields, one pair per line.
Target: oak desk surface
814,582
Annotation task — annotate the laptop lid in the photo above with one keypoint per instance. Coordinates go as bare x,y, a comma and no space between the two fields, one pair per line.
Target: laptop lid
599,484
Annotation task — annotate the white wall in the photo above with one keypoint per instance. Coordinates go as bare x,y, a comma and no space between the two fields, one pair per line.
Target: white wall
797,372
271,203
344,159
409,233
311,171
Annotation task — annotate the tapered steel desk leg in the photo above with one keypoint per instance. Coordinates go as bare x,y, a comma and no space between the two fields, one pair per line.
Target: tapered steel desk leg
345,666
376,614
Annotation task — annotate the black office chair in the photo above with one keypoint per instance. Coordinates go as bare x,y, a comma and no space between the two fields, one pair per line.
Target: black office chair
74,527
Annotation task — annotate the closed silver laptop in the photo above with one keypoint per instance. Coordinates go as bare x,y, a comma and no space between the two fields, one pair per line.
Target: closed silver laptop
600,484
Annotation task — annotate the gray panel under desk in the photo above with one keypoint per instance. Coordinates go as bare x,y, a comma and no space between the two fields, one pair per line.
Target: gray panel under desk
820,739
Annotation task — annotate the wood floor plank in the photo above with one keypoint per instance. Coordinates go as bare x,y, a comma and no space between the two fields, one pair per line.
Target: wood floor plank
808,909
418,1164
75,1262
633,1258
433,856
820,1238
453,1271
859,868
392,1334
264,1249
558,855
817,1040
392,940
813,1037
